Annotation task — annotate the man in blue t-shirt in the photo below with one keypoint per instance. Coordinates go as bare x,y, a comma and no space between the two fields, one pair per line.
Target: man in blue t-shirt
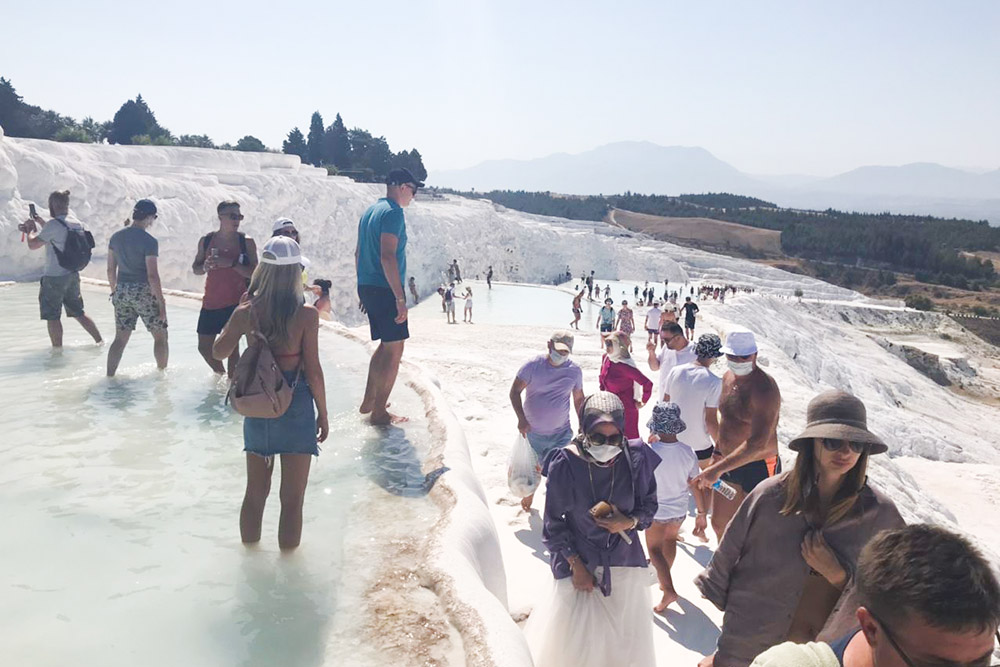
380,258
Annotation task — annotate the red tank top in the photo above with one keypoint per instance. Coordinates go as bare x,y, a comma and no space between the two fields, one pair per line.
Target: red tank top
223,287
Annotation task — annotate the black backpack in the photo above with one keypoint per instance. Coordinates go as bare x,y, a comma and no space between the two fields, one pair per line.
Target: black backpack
244,257
75,255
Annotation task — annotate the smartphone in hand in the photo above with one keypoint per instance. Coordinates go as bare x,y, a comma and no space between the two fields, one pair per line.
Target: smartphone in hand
31,211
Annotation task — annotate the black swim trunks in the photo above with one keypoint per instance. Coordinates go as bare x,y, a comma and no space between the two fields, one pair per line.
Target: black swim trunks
211,321
753,473
380,304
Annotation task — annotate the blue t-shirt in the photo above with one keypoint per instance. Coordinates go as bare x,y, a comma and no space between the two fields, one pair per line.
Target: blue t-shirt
383,217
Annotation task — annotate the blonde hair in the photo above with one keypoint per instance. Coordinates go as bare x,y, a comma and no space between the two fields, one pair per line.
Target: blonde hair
802,491
277,290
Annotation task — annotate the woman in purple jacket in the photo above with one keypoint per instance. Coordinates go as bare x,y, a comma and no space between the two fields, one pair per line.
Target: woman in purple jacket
598,611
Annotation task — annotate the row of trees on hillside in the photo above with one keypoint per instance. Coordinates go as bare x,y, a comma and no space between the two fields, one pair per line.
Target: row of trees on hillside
926,246
354,152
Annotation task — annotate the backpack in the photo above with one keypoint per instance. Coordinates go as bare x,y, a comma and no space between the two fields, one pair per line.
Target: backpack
207,241
259,388
75,255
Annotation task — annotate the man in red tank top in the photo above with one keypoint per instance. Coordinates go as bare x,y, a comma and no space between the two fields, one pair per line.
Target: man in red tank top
227,257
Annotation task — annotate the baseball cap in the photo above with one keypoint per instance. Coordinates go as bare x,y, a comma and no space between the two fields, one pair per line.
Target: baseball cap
709,347
282,251
562,341
146,207
401,176
740,343
281,223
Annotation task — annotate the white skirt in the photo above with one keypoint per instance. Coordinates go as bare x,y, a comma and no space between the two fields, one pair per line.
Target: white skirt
569,628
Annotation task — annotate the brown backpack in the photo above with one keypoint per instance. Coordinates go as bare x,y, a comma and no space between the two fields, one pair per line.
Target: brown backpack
259,388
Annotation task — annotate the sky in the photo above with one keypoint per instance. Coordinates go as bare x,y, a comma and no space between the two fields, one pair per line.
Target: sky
770,87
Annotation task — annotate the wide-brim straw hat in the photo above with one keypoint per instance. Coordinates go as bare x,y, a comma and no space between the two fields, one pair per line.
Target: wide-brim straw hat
840,416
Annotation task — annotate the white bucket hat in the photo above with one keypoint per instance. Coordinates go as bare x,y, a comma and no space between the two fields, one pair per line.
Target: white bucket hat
740,343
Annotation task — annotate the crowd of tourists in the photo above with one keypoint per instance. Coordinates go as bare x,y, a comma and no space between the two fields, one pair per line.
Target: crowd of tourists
814,565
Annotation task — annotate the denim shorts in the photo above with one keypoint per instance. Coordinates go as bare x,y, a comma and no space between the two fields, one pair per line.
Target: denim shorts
58,292
292,433
543,442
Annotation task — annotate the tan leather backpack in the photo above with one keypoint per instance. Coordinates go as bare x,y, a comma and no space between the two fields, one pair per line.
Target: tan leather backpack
259,388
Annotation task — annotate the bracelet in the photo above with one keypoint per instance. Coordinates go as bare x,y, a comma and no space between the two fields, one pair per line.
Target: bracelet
400,299
635,522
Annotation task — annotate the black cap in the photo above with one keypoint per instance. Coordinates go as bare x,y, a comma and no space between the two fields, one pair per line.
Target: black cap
401,176
145,207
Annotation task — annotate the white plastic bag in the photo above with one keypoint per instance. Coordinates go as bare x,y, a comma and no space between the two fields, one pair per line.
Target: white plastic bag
523,475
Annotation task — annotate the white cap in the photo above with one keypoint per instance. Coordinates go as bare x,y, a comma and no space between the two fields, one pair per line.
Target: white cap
282,251
740,343
281,223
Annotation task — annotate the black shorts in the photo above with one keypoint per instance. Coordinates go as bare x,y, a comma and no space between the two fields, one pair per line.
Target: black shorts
211,321
607,328
704,454
753,473
689,324
380,304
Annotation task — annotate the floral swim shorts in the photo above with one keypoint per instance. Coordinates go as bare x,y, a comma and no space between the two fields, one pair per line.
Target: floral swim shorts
135,300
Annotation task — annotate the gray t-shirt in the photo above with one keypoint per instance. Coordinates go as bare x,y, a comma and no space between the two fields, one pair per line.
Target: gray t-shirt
131,247
54,235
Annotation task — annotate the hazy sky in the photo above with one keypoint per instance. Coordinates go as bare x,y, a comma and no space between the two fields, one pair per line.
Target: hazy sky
771,87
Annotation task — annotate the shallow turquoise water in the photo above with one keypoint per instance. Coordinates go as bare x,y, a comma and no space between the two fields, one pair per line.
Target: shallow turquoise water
121,499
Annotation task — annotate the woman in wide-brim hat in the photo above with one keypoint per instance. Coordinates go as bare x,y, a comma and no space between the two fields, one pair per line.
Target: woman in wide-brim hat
784,569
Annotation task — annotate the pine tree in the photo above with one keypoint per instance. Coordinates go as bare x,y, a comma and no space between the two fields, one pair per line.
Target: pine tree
133,119
315,142
295,144
341,144
418,170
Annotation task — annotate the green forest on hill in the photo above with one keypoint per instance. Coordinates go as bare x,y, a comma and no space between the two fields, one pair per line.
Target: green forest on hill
926,246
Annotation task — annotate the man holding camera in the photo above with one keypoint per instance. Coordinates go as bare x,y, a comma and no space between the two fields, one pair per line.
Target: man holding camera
60,287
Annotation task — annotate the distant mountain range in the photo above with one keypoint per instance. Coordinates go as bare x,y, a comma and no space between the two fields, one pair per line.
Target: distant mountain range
644,167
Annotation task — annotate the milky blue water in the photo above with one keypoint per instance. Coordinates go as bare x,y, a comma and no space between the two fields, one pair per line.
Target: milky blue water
120,501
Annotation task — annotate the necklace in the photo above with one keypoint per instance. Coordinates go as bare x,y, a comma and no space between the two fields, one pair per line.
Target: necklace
593,490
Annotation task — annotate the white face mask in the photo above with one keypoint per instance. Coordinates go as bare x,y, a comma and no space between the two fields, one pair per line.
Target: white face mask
740,367
603,453
558,359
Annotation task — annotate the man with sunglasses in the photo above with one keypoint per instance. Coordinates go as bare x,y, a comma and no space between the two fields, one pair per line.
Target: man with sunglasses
674,350
227,258
380,259
926,598
746,451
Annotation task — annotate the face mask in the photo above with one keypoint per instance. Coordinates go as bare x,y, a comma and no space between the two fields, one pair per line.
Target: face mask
740,367
558,359
603,453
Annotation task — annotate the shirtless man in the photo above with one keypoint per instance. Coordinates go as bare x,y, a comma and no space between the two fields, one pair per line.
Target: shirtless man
746,452
577,310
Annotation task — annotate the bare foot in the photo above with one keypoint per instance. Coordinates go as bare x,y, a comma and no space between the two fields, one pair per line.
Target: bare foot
668,598
526,502
384,418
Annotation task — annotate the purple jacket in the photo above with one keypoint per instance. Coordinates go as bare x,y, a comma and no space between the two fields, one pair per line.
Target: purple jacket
568,528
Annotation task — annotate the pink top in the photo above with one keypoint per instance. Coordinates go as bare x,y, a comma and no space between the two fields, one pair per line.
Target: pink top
618,378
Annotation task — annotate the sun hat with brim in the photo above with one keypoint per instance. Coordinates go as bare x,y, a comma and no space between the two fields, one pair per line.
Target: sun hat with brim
839,416
282,251
740,343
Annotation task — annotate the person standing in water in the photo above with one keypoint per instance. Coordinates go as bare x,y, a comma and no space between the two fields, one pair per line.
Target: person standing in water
380,258
577,310
746,451
60,287
321,288
134,279
489,277
275,310
227,258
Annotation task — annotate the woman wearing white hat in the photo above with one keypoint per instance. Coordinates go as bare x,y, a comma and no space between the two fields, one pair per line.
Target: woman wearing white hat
273,308
784,570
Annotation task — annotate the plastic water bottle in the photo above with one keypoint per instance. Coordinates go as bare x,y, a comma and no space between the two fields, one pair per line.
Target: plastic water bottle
725,490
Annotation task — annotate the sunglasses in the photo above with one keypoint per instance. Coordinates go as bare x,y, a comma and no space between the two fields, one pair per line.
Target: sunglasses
235,216
413,188
834,445
985,661
601,439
